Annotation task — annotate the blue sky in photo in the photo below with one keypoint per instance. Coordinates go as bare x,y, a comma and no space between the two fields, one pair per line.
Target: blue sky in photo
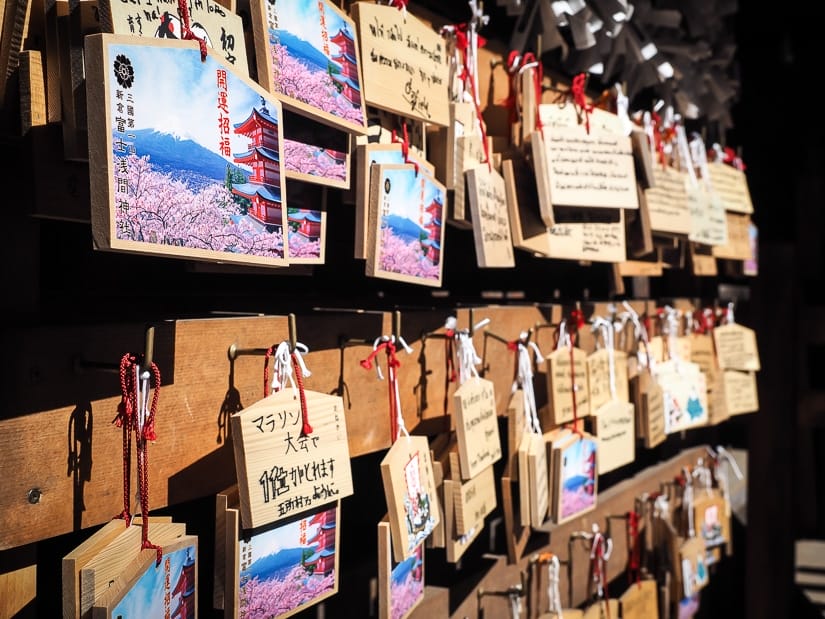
405,192
278,538
577,455
145,599
176,93
301,18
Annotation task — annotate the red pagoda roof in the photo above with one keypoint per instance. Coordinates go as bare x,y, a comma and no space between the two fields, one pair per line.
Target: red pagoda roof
256,118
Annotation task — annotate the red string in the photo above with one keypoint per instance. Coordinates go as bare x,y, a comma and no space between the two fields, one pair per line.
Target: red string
400,4
405,146
598,569
634,573
306,430
462,43
580,99
392,365
516,62
127,419
731,159
187,34
573,390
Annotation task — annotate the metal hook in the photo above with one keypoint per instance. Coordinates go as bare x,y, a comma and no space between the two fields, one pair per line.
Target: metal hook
82,365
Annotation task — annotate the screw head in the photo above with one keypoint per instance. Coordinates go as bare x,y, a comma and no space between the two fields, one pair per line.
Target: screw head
34,495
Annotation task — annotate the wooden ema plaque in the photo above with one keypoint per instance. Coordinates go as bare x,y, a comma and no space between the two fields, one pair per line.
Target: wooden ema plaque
515,430
406,231
693,566
732,187
400,584
613,425
491,224
307,53
409,488
598,377
469,156
685,395
560,389
221,28
594,169
113,560
366,156
476,426
712,522
281,471
708,224
258,569
146,589
444,146
736,348
472,500
406,69
528,231
575,481
138,208
456,545
524,478
306,222
667,201
653,415
739,389
739,246
640,601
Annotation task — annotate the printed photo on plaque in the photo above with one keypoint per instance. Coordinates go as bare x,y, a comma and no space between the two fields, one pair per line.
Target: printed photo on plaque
409,488
291,566
185,162
306,222
577,469
168,589
307,52
400,584
406,225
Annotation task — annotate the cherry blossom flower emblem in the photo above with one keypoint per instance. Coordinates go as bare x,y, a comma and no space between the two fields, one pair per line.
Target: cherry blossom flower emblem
124,73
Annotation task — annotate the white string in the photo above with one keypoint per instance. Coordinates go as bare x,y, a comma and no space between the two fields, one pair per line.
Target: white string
282,373
722,474
647,122
402,428
684,153
703,474
687,500
672,323
564,336
524,380
730,319
515,605
389,338
468,358
622,106
553,594
700,158
477,21
641,335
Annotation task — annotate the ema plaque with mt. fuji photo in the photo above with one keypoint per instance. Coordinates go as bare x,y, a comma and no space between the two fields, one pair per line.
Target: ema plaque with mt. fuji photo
186,162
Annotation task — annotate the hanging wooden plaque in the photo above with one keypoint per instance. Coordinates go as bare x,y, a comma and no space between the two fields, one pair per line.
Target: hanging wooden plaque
593,241
515,430
667,201
456,545
473,500
684,392
406,231
263,566
406,68
653,415
598,377
140,154
613,428
409,488
736,348
640,601
476,426
575,479
732,187
708,224
693,564
306,222
221,28
491,224
592,168
469,155
538,480
717,404
400,583
281,471
366,155
560,386
308,54
113,561
149,589
524,478
712,522
739,245
528,231
740,391
703,354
